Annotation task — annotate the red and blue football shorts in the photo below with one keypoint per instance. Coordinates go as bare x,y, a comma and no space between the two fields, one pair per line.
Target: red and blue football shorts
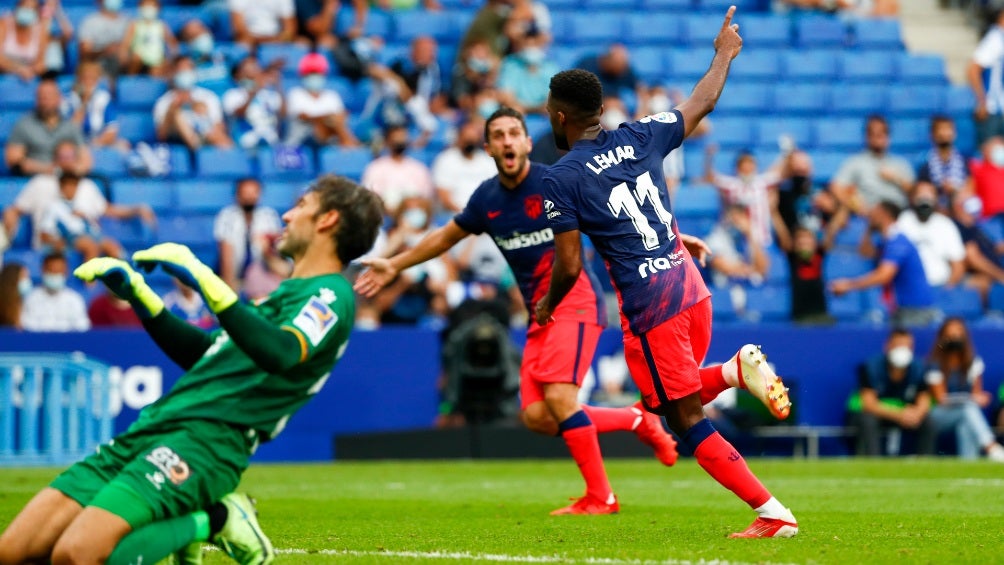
665,360
560,352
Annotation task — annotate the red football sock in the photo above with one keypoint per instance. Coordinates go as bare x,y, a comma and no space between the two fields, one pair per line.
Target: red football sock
712,383
585,448
726,466
612,419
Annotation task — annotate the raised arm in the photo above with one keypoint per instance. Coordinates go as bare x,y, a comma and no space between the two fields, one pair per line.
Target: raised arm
382,271
707,91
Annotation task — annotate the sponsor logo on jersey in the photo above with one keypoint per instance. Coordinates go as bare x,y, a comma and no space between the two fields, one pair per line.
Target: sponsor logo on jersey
315,320
534,206
611,158
651,266
521,240
550,210
327,295
661,117
169,464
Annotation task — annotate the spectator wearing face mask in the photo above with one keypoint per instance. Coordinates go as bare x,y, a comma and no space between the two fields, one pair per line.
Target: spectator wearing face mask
935,236
15,284
245,232
316,114
23,39
395,176
988,177
459,169
944,166
476,70
210,65
189,113
892,399
101,34
148,44
53,307
524,78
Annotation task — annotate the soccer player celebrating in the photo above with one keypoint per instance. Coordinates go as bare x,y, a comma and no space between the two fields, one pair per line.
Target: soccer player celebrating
610,186
167,482
511,209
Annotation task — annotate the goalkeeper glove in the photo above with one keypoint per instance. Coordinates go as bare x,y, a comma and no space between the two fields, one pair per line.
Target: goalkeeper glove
179,261
124,282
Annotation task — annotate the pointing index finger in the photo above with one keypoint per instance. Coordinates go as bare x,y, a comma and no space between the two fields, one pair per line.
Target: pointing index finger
728,17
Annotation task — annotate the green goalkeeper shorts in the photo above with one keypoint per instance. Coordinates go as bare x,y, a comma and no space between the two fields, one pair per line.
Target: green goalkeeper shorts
163,471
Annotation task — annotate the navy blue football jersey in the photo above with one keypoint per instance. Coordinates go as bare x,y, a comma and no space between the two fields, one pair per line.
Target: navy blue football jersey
612,189
515,219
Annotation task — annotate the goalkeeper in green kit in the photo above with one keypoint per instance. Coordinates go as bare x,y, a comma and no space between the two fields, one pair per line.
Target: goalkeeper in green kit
166,485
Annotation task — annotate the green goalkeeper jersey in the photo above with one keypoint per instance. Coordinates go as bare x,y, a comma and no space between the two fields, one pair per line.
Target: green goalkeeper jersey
226,385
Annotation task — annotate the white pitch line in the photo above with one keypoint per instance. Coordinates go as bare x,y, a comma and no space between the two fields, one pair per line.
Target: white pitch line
503,558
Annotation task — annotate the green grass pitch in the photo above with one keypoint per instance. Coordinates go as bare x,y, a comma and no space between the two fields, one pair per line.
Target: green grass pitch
850,512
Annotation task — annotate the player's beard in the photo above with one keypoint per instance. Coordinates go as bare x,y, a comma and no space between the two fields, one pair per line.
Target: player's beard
521,161
290,246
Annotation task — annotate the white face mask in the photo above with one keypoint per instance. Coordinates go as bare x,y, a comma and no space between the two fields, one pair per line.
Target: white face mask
612,119
54,281
997,155
900,357
24,286
415,218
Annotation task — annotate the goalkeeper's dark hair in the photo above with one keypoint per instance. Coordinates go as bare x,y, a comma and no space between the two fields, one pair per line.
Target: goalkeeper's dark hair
360,214
578,93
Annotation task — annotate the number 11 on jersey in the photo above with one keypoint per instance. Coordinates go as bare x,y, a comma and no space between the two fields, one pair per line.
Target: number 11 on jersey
623,199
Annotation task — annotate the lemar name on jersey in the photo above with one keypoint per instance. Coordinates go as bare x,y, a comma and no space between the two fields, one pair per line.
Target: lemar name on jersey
611,158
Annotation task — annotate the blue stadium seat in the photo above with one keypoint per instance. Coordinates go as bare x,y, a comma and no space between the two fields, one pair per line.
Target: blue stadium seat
810,64
997,298
959,301
697,201
282,195
872,66
347,162
738,98
686,66
353,103
877,33
960,102
27,257
622,5
649,63
722,308
137,126
778,272
9,189
816,32
807,99
858,99
176,16
139,93
917,69
288,52
842,264
228,164
15,94
109,162
596,28
764,31
733,133
769,129
270,170
845,134
131,233
7,122
772,303
666,4
158,194
232,52
566,57
654,28
825,164
742,6
181,162
909,101
203,197
846,307
377,23
757,65
910,135
443,26
700,30
191,229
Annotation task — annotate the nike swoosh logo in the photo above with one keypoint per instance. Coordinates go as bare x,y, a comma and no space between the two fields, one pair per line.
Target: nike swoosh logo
494,214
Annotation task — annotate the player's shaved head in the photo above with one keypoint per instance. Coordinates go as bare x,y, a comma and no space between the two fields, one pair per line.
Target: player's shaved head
360,214
577,93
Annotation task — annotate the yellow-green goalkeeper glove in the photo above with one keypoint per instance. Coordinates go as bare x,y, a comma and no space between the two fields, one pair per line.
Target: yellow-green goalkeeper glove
124,282
179,261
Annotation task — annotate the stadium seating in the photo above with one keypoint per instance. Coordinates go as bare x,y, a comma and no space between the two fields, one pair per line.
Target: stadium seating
959,301
341,161
227,164
818,32
769,303
158,194
16,94
651,29
203,197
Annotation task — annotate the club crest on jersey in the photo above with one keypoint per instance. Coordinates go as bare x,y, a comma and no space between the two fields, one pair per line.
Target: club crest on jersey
534,206
315,319
661,117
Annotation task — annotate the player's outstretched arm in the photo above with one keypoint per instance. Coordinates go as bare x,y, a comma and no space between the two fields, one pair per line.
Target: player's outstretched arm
182,342
382,272
564,272
702,100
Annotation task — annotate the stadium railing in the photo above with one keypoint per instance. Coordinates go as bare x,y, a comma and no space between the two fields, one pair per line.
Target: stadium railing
54,408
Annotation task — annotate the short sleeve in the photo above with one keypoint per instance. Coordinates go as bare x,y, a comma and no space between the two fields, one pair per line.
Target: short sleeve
934,377
846,173
895,251
990,49
233,99
663,131
286,9
18,135
161,106
559,205
473,218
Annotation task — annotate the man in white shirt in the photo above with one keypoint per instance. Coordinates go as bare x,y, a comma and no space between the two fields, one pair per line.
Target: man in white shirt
188,113
53,307
985,74
42,191
935,236
253,107
262,21
315,112
458,170
245,233
396,176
